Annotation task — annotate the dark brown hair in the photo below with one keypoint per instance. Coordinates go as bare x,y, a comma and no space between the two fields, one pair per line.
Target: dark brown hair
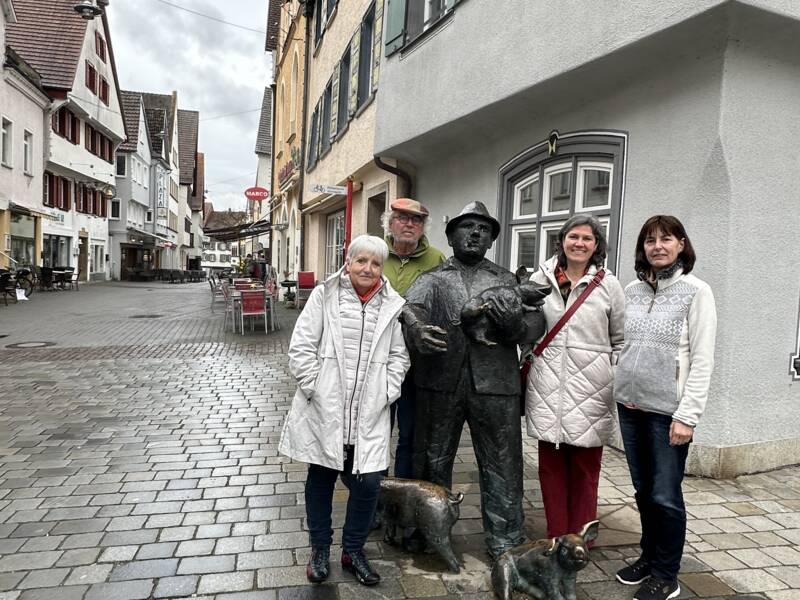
668,225
601,247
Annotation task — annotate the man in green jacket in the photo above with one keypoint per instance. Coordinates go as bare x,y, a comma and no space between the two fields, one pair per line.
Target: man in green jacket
410,255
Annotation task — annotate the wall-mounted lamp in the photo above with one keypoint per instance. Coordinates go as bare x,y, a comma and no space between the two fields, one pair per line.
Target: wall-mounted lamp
87,10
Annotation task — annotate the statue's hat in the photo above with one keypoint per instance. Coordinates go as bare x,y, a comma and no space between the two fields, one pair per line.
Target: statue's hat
474,209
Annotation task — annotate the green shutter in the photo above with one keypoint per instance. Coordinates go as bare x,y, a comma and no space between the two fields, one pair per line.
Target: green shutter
355,52
334,100
395,25
320,111
377,30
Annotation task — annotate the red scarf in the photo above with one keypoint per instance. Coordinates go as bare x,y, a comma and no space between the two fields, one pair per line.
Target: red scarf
366,297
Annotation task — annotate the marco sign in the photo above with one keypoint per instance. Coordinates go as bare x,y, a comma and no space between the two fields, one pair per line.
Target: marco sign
256,194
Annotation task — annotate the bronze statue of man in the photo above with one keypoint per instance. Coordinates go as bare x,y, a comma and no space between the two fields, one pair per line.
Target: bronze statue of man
459,379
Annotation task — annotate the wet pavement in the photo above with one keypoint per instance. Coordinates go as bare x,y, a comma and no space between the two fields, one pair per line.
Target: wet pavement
138,460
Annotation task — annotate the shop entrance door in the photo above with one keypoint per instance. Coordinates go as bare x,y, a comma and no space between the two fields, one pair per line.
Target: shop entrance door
83,258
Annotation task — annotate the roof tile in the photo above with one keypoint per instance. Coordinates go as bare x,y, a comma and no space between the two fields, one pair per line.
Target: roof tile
187,144
264,139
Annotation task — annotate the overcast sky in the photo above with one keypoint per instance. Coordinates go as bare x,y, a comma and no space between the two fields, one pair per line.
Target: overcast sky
215,68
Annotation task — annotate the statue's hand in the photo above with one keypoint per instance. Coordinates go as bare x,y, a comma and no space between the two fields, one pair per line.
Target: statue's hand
505,308
431,339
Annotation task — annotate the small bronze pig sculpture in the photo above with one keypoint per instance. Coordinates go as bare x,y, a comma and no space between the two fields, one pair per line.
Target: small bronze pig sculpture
544,569
429,508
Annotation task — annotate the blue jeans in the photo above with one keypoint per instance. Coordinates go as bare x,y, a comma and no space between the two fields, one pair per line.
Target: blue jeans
361,504
656,472
403,410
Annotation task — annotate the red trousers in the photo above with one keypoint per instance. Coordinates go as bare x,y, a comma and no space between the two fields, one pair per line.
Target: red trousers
569,478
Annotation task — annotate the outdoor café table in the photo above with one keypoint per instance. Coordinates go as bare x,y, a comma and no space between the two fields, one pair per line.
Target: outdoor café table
59,278
289,284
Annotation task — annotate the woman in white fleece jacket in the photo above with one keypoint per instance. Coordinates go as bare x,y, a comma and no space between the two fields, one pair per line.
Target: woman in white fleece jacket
661,387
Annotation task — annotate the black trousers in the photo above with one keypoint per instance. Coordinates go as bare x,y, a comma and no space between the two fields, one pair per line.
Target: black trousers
361,504
494,425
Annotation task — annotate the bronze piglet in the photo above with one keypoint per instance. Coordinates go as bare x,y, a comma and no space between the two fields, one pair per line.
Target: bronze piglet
544,569
429,508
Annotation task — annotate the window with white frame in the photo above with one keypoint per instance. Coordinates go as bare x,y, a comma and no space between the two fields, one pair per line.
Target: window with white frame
121,164
148,218
27,152
6,140
542,189
334,243
114,209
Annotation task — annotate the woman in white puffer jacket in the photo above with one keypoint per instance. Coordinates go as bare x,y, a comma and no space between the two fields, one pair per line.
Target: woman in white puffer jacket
349,358
569,398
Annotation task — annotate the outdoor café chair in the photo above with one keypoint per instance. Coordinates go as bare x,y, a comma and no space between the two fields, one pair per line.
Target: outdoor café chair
216,294
305,285
230,307
71,279
252,304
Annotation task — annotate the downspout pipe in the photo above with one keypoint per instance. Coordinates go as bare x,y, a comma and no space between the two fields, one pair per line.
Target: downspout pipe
399,172
308,13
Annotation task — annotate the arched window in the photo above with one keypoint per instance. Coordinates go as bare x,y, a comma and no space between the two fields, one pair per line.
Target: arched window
543,186
293,91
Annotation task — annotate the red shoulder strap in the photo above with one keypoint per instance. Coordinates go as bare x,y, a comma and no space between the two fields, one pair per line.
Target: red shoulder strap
569,312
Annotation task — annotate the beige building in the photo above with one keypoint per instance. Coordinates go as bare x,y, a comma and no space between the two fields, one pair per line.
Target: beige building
286,38
343,71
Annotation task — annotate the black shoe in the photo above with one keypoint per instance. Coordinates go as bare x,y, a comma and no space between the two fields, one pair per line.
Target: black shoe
657,589
319,564
634,574
357,564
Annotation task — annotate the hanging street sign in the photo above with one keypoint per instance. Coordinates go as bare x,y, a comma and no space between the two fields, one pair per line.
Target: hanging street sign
317,188
256,194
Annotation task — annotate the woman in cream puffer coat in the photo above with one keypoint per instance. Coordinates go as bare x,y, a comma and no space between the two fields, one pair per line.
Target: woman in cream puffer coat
569,396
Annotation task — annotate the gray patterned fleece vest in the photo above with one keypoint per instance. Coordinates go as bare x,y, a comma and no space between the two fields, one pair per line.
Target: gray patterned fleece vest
648,370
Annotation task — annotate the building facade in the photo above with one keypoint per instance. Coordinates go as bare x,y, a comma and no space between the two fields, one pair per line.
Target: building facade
161,114
190,235
681,107
23,114
288,48
131,214
343,66
75,59
259,211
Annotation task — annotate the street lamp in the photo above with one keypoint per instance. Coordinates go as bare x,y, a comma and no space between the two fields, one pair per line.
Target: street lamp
87,10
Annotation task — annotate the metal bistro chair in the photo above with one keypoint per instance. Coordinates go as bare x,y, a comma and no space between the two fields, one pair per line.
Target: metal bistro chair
305,285
72,279
230,307
252,304
216,293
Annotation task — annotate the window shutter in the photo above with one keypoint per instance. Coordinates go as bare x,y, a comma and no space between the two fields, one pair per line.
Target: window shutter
319,111
355,47
334,101
377,31
395,25
76,130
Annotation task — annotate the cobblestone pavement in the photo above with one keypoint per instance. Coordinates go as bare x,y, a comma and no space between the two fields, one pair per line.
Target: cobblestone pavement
138,460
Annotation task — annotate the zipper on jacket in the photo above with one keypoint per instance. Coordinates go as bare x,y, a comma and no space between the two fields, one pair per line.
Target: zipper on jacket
355,381
565,331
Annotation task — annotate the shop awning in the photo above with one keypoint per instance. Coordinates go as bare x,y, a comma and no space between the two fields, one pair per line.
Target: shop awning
27,210
150,234
239,232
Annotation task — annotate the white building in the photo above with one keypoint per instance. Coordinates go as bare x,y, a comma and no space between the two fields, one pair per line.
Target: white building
132,211
161,113
681,107
75,59
23,122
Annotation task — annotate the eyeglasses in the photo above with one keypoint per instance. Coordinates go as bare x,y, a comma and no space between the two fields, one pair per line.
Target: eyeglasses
407,218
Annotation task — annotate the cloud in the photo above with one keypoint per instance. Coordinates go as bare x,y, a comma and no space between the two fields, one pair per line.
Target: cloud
215,68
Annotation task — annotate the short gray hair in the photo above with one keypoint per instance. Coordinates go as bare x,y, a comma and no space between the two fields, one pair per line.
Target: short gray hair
368,244
389,215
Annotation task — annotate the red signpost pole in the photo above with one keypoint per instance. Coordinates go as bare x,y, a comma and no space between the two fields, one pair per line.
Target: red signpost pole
348,217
